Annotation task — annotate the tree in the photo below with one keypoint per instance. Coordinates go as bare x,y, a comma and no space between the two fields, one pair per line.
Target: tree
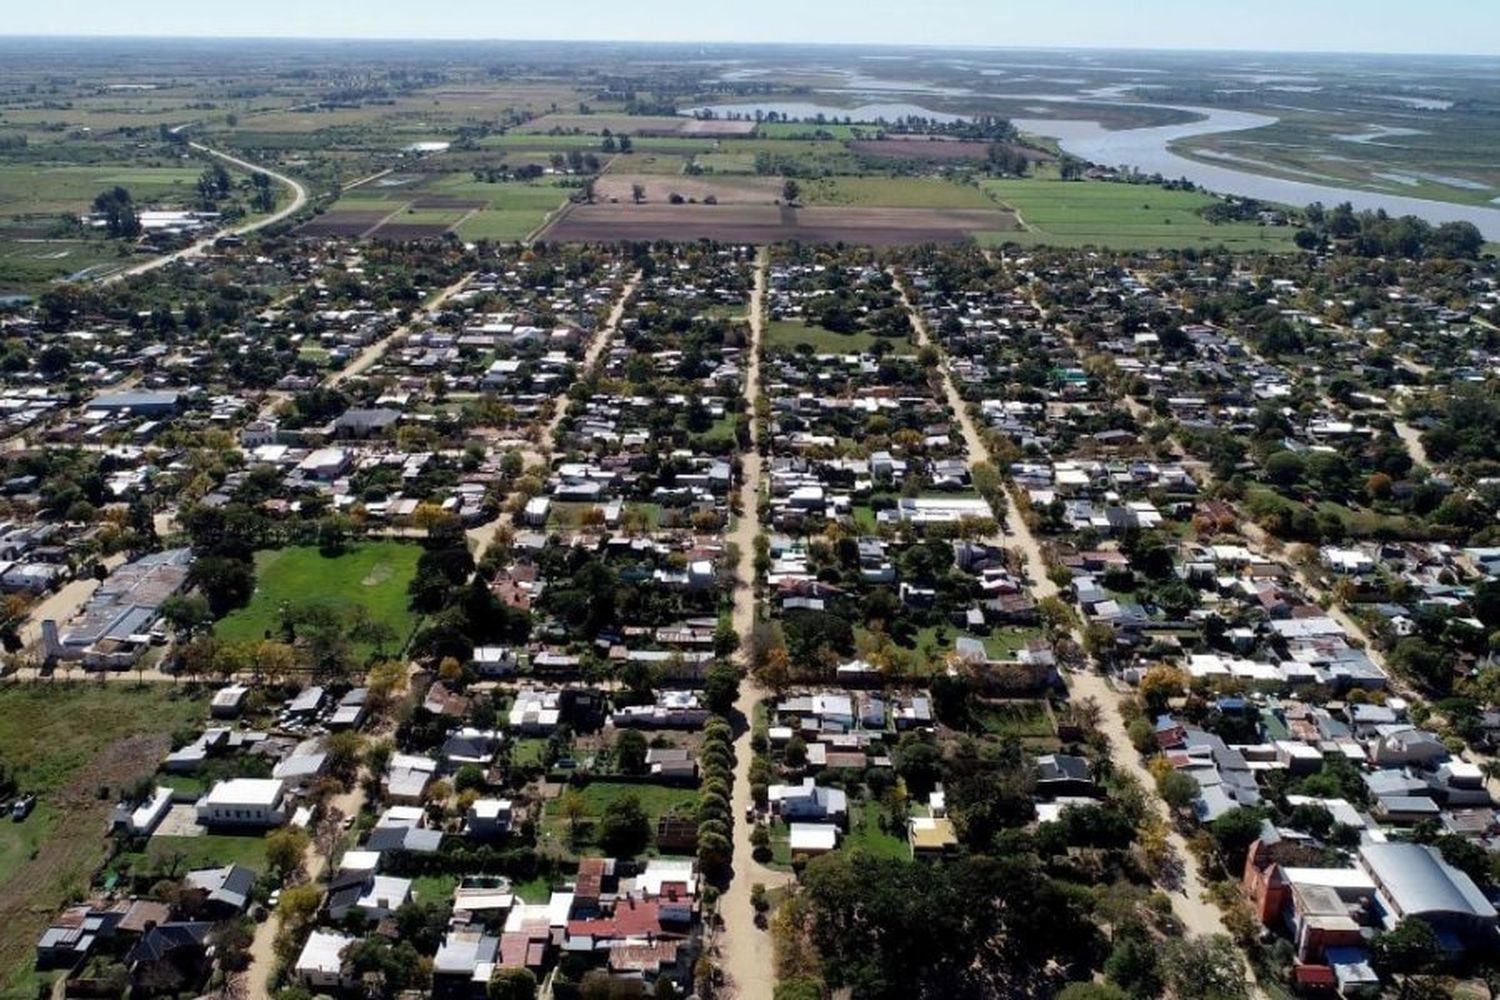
790,191
285,850
1204,968
571,807
1409,949
1092,991
721,687
1233,833
1177,789
511,983
624,829
638,193
630,752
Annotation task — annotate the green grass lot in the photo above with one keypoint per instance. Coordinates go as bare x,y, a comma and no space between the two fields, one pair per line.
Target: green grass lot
811,130
52,734
30,265
374,574
785,335
1120,216
656,800
865,834
893,192
726,163
165,855
31,190
1024,719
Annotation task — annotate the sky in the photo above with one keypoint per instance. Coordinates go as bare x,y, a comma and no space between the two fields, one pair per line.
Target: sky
1414,26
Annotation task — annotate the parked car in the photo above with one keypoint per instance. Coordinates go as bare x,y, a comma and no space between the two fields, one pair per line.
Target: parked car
22,807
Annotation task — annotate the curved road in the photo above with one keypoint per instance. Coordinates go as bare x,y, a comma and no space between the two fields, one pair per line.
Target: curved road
299,199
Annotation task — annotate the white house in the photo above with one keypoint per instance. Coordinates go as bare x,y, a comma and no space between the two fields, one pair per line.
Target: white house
808,801
321,964
244,802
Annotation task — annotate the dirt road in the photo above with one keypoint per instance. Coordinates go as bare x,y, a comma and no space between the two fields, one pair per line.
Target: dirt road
374,352
1197,916
746,955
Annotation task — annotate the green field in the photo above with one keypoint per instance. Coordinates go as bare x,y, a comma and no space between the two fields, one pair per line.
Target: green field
1120,216
893,192
165,855
374,574
811,130
65,742
513,211
30,190
785,335
28,266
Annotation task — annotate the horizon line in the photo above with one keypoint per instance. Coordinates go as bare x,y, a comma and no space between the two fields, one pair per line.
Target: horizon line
941,46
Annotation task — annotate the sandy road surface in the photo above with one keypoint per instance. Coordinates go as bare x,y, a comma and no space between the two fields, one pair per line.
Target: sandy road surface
745,951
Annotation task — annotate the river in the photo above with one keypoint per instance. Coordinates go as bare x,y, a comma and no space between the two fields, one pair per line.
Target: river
1149,151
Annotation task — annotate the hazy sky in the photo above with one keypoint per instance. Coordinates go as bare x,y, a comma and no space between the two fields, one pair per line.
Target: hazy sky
1440,26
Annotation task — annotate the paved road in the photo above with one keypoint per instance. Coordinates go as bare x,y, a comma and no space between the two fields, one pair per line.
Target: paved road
746,954
299,199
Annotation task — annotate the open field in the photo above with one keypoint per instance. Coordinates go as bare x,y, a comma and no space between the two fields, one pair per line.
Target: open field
372,574
893,192
787,334
28,265
69,742
30,190
1121,216
418,206
774,224
634,125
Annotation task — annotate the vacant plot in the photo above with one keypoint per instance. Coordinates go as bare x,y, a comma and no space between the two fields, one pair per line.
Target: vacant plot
656,801
660,188
1121,216
374,575
774,224
811,130
70,743
894,192
790,334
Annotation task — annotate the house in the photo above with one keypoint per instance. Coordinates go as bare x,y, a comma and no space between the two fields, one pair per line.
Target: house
812,838
488,818
1413,880
244,802
320,966
373,897
808,801
139,820
228,701
221,892
170,957
931,836
1064,775
72,935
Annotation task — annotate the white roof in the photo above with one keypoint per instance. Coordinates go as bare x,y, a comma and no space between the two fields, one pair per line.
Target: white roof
813,837
323,952
246,792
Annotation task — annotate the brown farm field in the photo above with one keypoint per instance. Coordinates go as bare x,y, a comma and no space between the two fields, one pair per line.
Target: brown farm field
604,222
343,222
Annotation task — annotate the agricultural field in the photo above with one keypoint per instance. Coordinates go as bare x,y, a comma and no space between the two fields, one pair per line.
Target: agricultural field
426,205
771,223
374,575
1120,216
893,192
76,746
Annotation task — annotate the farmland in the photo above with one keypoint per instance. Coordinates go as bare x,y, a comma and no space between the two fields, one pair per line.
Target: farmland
770,223
1120,216
373,575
